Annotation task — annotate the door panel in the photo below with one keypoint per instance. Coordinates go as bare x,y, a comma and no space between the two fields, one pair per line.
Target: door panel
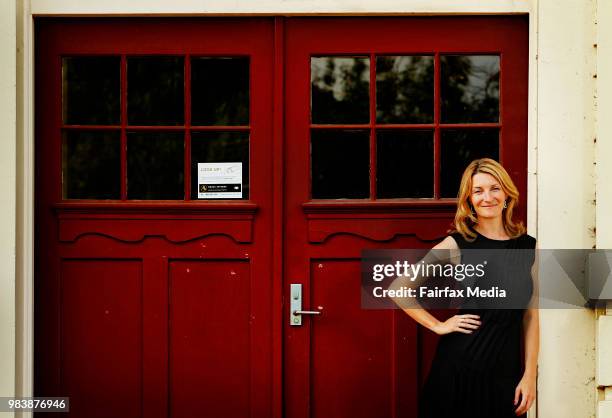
210,316
440,92
106,293
186,280
356,342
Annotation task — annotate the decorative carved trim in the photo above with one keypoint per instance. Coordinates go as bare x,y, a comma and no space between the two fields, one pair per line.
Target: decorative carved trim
158,209
176,223
382,223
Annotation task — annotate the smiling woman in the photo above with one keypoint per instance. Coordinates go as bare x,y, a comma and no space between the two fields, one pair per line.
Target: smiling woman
486,202
477,368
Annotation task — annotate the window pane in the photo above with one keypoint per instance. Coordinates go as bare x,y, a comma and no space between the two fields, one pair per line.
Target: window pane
219,147
405,164
404,89
470,88
155,90
458,149
91,90
91,165
340,90
155,164
220,91
340,164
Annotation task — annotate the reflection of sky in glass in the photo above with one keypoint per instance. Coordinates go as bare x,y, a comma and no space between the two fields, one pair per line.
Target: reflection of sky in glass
481,84
470,88
417,66
331,73
404,89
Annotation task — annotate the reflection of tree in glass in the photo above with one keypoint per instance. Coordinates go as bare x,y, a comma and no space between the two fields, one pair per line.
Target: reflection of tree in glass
340,90
459,148
91,90
404,89
91,165
220,91
470,88
155,90
155,165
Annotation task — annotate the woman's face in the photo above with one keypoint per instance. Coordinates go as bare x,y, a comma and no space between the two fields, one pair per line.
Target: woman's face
487,196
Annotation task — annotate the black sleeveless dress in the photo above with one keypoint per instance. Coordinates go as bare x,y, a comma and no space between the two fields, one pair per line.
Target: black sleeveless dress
475,375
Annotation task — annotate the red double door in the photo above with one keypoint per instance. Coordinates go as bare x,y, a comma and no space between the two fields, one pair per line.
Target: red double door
156,299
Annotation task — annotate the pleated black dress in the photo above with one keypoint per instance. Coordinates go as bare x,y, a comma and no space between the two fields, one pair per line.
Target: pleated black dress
475,375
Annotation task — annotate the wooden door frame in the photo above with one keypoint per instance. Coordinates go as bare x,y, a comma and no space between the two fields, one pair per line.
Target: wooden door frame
277,243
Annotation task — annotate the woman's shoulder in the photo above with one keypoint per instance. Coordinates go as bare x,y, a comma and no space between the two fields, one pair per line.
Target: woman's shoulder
459,238
527,241
450,242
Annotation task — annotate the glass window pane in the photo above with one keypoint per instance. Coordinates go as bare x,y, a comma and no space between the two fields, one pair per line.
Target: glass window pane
340,164
155,90
220,91
91,90
470,88
340,90
461,147
155,163
91,165
405,165
219,147
404,89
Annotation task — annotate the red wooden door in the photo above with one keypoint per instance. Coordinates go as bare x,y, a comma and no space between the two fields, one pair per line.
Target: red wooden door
150,301
155,298
382,115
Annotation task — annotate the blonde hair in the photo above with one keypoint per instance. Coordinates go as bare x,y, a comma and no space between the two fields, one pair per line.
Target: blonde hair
465,219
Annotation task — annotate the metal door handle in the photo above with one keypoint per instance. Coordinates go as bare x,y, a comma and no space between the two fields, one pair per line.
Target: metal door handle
295,308
307,312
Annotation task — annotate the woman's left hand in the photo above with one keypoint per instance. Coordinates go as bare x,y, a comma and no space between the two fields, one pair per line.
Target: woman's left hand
525,392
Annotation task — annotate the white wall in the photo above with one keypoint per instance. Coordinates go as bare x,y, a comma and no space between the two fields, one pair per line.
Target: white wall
566,193
604,195
7,197
147,7
562,128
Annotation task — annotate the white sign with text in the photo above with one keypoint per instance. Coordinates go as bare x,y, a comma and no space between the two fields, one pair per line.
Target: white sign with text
219,180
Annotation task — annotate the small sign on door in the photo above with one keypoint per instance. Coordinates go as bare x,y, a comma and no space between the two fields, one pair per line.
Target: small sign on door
219,180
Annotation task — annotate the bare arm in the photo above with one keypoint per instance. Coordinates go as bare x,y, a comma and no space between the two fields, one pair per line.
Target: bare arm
531,332
526,389
458,323
531,324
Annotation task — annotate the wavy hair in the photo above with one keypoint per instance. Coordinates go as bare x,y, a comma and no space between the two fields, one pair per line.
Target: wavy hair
465,217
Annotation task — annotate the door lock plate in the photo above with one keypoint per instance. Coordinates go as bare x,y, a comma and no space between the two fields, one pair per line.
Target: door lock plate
295,304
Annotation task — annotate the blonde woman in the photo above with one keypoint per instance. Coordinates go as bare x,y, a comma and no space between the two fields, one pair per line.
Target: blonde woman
477,370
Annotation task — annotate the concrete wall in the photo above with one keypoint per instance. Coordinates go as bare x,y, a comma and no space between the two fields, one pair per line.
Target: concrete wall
569,197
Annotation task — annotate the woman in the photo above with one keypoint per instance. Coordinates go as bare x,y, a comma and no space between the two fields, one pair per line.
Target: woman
477,371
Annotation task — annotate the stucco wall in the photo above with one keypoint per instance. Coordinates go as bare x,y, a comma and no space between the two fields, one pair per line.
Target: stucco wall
562,207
